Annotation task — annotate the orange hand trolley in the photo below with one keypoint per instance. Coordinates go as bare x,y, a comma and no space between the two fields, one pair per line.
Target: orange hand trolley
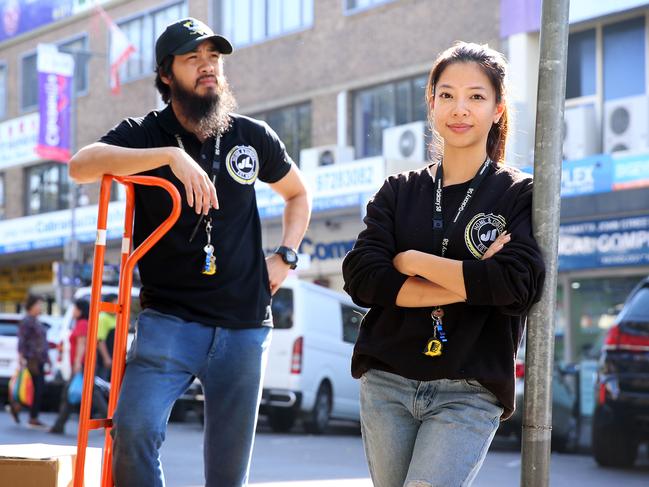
122,309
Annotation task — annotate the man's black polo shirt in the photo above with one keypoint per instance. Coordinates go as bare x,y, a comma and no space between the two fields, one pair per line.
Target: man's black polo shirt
238,295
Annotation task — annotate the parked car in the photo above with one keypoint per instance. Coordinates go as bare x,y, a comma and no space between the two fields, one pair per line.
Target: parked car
621,417
565,408
308,374
9,323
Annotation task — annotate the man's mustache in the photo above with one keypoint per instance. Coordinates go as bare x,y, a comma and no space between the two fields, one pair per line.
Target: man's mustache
207,77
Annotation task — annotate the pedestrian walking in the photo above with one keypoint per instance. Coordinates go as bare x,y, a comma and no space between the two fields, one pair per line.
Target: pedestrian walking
33,354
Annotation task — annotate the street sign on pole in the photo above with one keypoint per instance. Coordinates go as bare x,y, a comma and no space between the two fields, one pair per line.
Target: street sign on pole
537,413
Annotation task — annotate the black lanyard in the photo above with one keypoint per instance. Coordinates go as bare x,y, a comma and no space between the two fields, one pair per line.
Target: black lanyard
440,237
216,167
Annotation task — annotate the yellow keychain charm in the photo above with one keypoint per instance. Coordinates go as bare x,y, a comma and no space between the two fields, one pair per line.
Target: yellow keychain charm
433,348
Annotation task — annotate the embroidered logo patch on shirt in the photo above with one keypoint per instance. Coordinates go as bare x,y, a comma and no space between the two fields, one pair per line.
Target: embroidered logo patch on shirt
243,164
481,231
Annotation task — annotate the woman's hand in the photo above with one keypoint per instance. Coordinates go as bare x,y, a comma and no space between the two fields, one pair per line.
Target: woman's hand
497,245
403,262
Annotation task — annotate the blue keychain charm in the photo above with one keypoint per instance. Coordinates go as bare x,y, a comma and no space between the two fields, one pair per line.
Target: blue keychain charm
209,266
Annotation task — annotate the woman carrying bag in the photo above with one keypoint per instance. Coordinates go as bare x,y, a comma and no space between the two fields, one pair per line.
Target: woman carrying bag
32,354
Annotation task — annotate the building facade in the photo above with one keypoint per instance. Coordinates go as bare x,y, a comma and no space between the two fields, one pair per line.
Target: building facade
329,76
342,82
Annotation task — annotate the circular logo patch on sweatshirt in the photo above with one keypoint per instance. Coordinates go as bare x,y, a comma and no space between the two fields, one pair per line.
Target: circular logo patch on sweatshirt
242,164
481,232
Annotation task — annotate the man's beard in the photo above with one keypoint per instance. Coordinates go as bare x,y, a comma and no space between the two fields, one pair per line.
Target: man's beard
209,114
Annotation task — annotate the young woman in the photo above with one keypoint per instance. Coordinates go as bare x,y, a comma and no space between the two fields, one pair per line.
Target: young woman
448,266
32,353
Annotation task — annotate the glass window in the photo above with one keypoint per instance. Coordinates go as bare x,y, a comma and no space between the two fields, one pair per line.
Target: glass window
282,309
293,126
580,80
29,98
624,59
248,21
79,46
383,106
354,5
3,90
142,31
2,196
594,305
351,317
637,309
47,188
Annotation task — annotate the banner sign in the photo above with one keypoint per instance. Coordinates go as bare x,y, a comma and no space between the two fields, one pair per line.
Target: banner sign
21,16
518,16
605,243
631,172
587,176
55,75
53,229
18,139
602,173
336,186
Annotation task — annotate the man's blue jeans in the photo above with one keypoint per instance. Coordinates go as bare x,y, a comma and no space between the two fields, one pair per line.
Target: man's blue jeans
166,355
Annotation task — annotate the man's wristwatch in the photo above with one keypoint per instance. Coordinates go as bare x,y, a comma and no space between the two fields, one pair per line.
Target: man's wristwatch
288,255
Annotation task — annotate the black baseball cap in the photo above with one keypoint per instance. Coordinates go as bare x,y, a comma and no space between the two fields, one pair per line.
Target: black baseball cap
184,35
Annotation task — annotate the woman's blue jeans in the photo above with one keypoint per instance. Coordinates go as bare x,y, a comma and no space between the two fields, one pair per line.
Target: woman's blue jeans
425,434
165,356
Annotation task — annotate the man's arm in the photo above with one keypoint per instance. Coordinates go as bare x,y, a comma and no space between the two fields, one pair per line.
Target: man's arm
297,213
95,160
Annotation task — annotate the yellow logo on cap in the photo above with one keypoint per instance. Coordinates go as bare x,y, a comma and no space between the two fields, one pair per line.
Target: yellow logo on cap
196,28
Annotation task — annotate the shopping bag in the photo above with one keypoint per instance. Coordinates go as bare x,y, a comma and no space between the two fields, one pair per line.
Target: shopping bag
21,387
75,389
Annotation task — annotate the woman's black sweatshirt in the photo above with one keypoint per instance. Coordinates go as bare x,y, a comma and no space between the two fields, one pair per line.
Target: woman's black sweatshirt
485,331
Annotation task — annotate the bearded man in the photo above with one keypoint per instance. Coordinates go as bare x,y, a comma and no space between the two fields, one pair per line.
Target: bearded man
206,286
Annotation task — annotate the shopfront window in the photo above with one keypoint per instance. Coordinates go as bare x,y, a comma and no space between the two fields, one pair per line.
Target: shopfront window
79,48
384,106
624,59
594,303
582,72
292,125
250,21
47,188
29,83
142,32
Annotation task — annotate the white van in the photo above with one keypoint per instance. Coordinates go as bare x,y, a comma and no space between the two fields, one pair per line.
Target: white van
309,373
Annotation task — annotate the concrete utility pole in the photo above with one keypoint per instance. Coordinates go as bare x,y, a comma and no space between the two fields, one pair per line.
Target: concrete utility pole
537,414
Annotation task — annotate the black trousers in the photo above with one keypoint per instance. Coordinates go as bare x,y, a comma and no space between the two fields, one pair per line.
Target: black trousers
38,378
99,407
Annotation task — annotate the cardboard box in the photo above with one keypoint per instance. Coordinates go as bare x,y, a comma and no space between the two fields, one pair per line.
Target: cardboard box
42,465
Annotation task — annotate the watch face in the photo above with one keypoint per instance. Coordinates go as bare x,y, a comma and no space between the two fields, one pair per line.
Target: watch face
291,257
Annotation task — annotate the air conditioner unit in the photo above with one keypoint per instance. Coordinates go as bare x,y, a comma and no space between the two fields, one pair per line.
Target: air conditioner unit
626,124
325,155
405,142
580,132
